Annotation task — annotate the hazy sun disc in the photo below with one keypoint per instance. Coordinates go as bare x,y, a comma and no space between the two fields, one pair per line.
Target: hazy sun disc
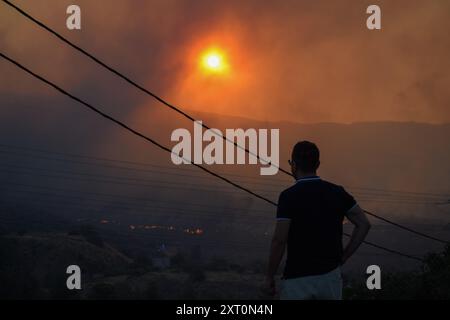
214,61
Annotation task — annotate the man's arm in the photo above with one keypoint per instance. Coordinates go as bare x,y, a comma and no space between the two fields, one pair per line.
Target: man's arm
362,225
277,249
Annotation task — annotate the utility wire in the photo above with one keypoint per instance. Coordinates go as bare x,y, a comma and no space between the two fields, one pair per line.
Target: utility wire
126,127
133,83
367,195
106,179
148,212
92,161
399,195
123,125
171,106
8,184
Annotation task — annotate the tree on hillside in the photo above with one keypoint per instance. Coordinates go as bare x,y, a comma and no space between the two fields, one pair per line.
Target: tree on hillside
432,281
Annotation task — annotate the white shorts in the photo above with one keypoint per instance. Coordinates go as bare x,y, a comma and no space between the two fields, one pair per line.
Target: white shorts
326,286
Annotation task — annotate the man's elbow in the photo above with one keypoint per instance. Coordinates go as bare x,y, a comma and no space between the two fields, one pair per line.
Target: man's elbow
364,225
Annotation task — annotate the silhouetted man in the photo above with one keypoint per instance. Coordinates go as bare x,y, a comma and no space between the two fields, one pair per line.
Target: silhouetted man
309,224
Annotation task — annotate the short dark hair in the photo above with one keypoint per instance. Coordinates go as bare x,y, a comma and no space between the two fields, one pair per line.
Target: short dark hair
306,156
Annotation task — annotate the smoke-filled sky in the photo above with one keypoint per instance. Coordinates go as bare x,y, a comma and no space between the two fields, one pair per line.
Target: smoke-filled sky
300,60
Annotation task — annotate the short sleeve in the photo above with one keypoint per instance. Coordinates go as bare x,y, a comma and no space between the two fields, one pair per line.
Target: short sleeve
284,208
347,200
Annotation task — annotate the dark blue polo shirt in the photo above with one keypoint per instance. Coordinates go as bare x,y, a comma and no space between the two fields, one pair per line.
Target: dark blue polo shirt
316,210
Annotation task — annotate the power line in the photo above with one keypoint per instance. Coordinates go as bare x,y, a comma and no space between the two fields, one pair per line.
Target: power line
126,206
182,211
119,178
367,195
127,79
176,186
407,195
110,166
121,124
128,128
222,243
117,196
440,195
168,213
133,83
407,228
112,179
168,185
34,150
201,214
193,206
87,177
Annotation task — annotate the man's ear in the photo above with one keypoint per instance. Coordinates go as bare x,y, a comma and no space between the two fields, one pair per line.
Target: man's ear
318,164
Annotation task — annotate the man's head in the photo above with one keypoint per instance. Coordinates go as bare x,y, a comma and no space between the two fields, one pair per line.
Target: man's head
305,158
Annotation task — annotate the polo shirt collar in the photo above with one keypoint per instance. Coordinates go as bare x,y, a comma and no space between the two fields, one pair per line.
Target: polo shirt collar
308,178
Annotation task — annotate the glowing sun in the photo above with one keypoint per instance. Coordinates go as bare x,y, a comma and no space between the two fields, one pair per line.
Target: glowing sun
214,61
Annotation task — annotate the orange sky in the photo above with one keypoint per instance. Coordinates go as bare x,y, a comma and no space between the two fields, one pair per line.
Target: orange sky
305,61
